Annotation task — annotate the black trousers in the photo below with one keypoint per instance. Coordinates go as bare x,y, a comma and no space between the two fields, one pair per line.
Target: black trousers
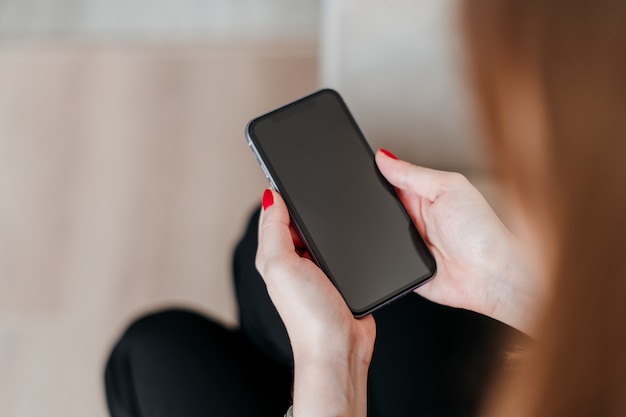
429,360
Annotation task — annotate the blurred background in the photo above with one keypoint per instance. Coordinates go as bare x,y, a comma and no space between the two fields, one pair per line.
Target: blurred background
125,179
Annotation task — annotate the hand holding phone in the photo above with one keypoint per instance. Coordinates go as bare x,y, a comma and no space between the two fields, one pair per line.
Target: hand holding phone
313,311
480,264
349,217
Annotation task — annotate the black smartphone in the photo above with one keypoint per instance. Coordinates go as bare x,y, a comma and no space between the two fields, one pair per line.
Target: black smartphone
348,215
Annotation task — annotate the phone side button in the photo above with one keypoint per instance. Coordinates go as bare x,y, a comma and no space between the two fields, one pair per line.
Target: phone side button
256,154
269,178
267,175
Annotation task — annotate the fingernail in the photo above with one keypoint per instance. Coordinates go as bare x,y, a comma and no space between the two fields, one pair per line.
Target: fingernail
389,154
268,199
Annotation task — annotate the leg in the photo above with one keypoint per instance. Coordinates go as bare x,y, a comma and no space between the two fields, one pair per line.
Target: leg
176,363
432,360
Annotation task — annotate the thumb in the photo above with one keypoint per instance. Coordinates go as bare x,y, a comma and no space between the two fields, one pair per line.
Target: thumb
425,182
275,239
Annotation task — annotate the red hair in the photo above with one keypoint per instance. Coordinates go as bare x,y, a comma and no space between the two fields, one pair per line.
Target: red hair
563,152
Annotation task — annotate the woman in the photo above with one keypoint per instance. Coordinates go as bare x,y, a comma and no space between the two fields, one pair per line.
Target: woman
551,88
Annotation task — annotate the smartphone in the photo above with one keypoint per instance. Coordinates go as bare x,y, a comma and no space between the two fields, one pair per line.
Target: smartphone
348,216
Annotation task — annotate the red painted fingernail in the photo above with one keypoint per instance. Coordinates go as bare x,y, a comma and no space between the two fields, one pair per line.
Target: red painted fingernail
268,199
389,154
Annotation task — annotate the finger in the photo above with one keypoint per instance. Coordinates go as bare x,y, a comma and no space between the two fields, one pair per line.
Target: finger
304,253
425,182
275,239
295,236
414,208
301,249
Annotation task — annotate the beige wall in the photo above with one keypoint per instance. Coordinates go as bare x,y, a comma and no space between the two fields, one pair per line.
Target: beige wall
399,65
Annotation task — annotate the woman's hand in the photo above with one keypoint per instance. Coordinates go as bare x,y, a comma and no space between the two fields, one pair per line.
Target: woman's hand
479,266
332,350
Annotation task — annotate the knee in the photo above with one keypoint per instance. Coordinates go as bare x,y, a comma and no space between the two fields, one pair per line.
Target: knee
153,325
156,329
143,340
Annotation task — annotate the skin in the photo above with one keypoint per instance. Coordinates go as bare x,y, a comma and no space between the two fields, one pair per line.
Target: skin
332,350
478,265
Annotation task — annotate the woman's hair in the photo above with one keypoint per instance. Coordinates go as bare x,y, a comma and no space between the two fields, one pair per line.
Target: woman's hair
550,80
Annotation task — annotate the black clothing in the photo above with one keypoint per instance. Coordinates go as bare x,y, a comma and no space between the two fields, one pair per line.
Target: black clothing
429,360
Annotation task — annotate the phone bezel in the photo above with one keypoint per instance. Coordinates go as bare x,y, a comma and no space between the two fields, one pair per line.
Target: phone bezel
275,183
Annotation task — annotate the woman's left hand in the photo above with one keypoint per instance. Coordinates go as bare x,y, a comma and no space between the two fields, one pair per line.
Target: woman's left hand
331,348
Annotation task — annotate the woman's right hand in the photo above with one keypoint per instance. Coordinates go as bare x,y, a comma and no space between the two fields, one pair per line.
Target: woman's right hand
479,264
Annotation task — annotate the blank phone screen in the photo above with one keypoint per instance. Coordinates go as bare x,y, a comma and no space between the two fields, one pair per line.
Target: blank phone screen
351,218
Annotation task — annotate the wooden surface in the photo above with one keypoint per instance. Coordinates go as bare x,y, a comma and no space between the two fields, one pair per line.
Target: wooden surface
125,181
